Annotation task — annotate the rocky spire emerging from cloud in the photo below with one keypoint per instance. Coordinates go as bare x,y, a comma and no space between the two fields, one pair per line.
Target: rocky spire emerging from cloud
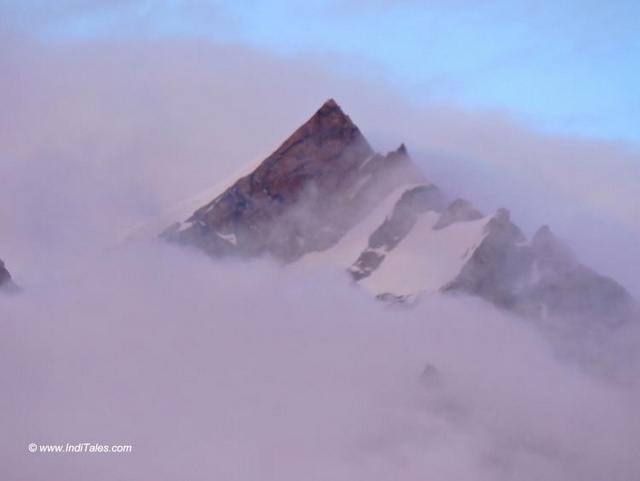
303,197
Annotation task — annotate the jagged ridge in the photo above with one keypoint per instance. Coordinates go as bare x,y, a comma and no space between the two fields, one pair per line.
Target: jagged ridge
325,179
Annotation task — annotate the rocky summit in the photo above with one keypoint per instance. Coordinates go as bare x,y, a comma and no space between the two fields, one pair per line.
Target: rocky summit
304,197
324,197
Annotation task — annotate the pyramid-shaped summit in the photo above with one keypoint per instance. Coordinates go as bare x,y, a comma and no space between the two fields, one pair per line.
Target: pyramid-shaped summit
327,133
304,197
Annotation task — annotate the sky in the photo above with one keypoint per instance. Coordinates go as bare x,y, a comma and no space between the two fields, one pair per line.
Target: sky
567,67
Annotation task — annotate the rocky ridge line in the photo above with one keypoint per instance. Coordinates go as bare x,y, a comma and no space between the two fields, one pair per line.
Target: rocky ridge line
325,178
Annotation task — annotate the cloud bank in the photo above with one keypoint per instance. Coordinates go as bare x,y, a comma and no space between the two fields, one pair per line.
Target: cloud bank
212,373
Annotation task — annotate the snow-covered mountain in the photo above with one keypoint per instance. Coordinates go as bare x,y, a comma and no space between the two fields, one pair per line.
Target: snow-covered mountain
324,197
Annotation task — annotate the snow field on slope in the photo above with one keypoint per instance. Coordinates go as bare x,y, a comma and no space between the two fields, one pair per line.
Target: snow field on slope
426,259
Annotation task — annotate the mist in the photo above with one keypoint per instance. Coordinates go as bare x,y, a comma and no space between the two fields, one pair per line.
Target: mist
228,370
245,371
133,128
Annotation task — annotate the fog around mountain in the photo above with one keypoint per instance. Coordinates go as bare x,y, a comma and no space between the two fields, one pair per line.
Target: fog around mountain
235,370
135,128
223,369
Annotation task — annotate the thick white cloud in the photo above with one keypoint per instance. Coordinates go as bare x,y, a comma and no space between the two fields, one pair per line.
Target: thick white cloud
209,372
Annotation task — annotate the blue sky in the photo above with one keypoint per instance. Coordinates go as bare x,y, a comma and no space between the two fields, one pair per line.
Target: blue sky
569,67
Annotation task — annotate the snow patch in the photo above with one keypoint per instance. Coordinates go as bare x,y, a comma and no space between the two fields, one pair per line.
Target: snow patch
426,259
348,249
368,159
228,237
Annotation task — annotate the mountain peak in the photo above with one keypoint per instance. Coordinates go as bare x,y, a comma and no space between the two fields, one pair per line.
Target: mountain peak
301,198
460,210
503,215
551,250
330,110
543,236
325,136
330,104
402,150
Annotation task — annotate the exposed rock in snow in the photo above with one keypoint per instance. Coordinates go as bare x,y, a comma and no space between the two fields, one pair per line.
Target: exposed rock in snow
460,210
385,238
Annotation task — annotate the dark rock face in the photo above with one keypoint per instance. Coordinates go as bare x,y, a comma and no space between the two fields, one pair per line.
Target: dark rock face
303,197
499,266
563,286
385,238
460,210
540,279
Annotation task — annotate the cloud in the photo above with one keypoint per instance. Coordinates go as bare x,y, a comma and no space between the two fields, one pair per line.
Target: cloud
210,373
31,15
565,67
70,20
217,370
136,127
